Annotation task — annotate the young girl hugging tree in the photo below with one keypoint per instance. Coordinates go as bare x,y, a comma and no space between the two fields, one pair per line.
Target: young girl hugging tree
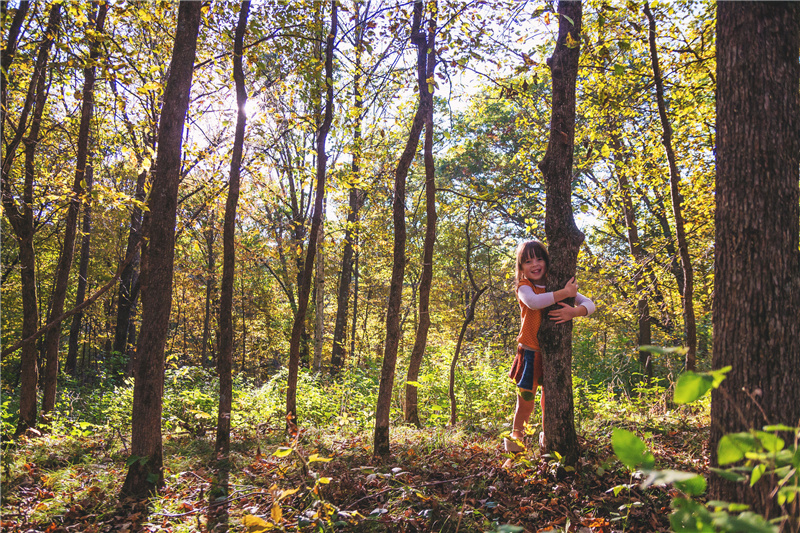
533,263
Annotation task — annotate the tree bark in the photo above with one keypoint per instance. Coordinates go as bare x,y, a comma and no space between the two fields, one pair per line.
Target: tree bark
319,297
305,283
383,408
53,338
225,359
83,273
689,321
756,316
211,267
9,51
22,217
411,411
563,236
145,472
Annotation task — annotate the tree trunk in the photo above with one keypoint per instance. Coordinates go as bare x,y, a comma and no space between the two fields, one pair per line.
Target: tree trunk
225,359
393,330
420,342
689,321
22,217
319,298
316,222
145,472
9,51
757,263
355,199
53,337
563,236
211,267
83,272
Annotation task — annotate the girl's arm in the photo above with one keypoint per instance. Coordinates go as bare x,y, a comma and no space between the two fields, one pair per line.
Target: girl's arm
583,307
540,301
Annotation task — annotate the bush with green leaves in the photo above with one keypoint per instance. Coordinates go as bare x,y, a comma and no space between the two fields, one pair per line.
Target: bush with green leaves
752,455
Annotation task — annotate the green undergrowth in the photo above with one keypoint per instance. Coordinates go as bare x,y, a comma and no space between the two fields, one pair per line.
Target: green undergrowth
324,478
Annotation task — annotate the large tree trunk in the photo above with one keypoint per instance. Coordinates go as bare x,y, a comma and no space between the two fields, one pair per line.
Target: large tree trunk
381,436
757,263
53,337
225,359
411,412
305,282
145,473
563,236
22,217
83,272
689,321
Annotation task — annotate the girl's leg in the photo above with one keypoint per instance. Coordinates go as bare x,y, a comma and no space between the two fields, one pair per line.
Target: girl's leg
522,413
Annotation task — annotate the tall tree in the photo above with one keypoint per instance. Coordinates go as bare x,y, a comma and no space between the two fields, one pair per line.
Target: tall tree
421,340
145,473
53,337
563,236
225,358
687,294
304,288
757,261
381,435
21,216
83,274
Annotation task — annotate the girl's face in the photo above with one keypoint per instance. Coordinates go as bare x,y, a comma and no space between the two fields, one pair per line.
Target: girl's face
535,269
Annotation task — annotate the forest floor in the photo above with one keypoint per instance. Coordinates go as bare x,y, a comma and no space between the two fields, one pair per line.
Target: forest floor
440,479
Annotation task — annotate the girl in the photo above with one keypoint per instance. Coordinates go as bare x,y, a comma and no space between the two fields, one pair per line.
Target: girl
533,262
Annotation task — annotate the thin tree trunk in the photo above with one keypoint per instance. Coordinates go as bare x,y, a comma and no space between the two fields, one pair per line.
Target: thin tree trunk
225,359
470,316
338,351
305,286
211,267
690,323
22,221
393,330
53,337
563,236
83,272
9,51
319,298
757,259
355,303
145,472
411,411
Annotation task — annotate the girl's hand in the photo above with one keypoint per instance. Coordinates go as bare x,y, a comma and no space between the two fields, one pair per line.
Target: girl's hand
565,314
571,288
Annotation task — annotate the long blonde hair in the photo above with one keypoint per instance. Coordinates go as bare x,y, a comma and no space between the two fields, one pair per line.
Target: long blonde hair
528,249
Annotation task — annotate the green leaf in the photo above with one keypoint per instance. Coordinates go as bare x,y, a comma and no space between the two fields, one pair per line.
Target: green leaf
689,482
747,521
679,350
733,507
691,386
282,452
770,441
733,447
413,383
690,516
631,450
758,471
727,474
619,70
780,427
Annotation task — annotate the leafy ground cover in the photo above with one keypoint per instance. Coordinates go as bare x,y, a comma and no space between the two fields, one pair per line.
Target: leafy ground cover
325,479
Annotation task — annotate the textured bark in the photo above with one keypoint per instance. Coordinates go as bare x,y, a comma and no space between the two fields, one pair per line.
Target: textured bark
757,262
7,57
687,294
21,217
53,338
304,287
563,237
83,272
225,359
319,297
411,412
145,473
211,267
381,435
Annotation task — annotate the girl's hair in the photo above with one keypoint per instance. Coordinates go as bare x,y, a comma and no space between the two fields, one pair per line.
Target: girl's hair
528,249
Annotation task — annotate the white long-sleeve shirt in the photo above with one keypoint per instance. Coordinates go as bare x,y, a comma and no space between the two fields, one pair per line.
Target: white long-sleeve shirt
546,299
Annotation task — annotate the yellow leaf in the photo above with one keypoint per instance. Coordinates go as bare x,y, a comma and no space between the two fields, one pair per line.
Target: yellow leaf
316,458
276,513
255,524
282,452
324,480
287,493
